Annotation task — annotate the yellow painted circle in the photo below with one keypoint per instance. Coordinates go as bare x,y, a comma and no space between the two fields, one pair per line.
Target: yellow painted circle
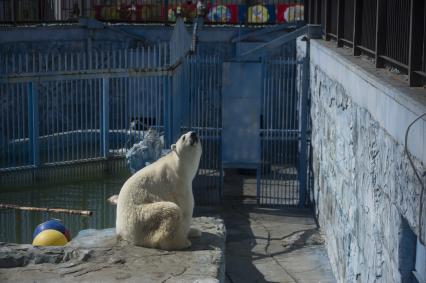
258,14
50,237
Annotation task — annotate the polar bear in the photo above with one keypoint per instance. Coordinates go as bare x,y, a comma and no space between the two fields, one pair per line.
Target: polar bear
154,207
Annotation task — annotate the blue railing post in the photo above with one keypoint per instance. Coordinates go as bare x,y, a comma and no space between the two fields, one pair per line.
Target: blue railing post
303,130
175,107
167,112
105,118
33,120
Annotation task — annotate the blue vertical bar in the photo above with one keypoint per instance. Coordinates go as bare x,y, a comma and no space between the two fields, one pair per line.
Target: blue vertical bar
167,112
33,119
175,99
303,133
105,118
259,192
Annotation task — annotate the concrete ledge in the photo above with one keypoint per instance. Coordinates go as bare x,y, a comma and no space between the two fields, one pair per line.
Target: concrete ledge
98,256
385,95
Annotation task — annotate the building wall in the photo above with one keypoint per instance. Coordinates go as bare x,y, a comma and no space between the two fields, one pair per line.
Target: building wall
366,193
95,35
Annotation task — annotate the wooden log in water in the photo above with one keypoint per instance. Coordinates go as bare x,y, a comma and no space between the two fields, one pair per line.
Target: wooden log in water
46,209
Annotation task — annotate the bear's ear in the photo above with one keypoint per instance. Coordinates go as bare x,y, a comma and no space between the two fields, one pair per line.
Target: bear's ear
173,147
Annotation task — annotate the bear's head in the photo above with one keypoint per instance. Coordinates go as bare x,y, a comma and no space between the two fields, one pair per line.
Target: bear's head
188,149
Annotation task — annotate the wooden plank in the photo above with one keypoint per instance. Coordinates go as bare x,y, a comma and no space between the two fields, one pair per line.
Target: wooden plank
46,209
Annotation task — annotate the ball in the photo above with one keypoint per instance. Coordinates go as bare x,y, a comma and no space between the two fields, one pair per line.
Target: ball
50,237
52,224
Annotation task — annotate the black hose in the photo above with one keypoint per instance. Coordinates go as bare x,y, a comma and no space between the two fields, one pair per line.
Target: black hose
418,177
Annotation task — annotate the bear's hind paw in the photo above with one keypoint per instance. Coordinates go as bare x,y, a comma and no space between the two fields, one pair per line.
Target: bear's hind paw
194,233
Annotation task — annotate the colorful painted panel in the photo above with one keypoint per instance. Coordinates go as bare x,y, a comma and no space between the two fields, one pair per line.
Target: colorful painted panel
222,14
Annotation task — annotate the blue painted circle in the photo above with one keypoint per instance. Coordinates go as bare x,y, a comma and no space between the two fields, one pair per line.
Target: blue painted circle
50,224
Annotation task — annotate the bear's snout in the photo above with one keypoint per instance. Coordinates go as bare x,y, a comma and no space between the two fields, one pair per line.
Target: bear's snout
194,138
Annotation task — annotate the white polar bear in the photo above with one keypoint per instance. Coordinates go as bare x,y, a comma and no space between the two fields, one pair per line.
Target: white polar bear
154,207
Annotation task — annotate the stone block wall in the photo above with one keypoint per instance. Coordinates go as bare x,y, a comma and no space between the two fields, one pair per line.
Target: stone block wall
365,191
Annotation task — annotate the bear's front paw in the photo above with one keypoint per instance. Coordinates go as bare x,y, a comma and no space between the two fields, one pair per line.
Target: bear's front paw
194,233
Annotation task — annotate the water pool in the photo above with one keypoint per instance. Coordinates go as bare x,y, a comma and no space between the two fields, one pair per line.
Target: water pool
17,226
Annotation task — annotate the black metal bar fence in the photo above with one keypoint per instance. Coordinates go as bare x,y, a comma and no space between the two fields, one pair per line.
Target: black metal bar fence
252,12
390,31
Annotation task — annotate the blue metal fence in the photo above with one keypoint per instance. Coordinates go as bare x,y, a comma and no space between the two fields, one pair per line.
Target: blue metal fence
136,104
201,112
14,124
93,105
69,107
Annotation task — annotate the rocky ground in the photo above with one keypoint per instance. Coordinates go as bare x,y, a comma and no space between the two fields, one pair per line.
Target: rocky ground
97,256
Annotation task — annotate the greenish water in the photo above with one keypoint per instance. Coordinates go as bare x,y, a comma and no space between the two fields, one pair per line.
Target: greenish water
17,226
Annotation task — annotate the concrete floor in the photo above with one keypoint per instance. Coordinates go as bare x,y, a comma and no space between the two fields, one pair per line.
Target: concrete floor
270,244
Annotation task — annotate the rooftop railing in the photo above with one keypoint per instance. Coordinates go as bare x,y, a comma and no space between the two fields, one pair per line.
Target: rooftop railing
390,31
251,12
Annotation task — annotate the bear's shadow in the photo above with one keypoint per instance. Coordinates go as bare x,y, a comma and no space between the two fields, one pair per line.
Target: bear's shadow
207,241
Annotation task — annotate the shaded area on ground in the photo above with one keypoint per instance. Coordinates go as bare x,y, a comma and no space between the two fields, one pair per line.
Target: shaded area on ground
269,244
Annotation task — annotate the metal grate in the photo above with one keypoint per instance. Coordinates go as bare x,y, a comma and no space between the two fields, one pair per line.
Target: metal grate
348,19
333,17
136,105
14,133
201,112
73,107
69,120
388,30
397,30
368,24
280,133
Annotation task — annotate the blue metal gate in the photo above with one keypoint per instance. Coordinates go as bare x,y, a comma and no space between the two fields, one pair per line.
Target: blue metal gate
206,106
281,166
280,130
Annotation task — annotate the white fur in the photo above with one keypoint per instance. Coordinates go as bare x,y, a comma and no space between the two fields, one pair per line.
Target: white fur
154,207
